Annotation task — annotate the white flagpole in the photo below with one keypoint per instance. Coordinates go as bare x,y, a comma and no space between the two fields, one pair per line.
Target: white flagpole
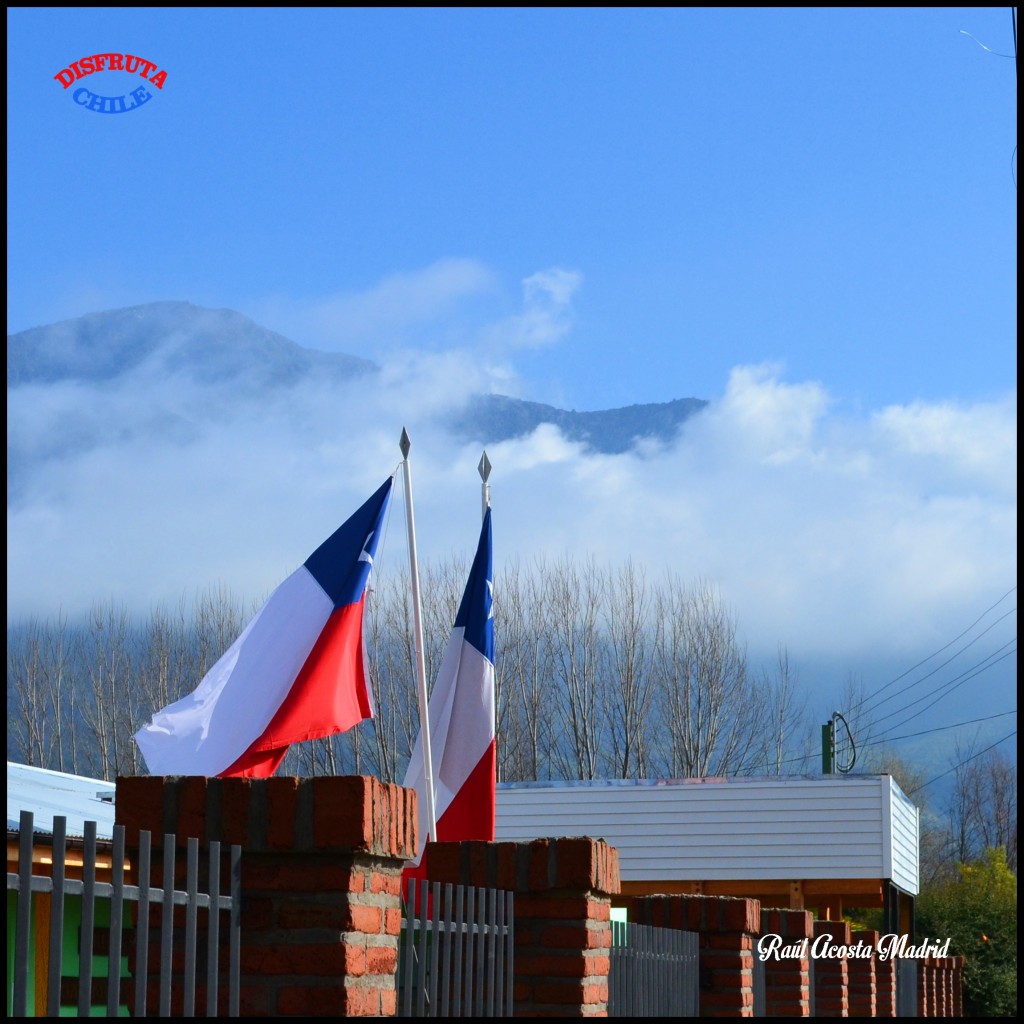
485,488
421,669
484,469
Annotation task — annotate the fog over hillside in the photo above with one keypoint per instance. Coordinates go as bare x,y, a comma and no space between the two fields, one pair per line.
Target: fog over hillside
156,450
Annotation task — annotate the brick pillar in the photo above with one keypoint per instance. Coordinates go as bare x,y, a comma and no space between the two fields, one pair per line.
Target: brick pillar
831,976
924,987
939,987
933,986
957,987
321,875
563,936
787,977
728,928
945,994
885,986
950,977
862,976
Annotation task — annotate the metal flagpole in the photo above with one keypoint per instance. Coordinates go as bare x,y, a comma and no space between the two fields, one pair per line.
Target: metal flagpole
421,669
485,488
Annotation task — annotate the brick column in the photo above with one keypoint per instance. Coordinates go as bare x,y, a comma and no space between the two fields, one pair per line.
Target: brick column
950,982
862,976
728,929
885,986
957,986
831,976
787,978
924,987
563,936
939,990
321,875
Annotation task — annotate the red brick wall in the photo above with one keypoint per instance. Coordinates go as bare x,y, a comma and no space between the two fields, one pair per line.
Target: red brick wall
563,938
787,980
321,873
831,976
885,987
863,985
728,929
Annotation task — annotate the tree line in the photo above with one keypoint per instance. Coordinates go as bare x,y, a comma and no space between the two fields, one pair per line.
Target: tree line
599,673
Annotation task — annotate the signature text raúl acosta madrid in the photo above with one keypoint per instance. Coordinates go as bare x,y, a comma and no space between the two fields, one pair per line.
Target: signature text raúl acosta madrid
888,947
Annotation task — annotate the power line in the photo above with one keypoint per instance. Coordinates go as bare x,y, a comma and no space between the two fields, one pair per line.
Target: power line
925,660
939,728
917,789
875,743
952,658
950,685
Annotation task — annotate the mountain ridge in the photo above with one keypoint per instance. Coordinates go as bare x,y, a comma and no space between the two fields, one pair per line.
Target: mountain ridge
222,348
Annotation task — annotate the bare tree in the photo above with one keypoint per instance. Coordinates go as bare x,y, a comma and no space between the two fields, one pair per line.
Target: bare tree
28,706
785,717
219,618
523,673
391,676
107,660
626,672
573,600
712,722
41,696
983,805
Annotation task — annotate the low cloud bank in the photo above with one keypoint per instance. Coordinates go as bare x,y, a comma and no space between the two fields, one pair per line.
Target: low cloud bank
875,533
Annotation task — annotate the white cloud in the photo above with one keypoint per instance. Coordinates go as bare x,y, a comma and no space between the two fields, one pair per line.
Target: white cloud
546,316
963,444
388,315
838,535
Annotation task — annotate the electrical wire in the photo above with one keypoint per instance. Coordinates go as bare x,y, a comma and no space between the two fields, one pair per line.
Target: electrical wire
917,789
747,769
950,685
924,661
939,728
845,770
952,658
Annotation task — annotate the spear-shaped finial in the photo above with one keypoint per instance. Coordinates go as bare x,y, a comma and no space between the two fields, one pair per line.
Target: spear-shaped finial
485,488
405,443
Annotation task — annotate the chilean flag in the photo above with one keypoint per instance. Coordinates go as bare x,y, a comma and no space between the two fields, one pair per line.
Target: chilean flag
296,673
461,716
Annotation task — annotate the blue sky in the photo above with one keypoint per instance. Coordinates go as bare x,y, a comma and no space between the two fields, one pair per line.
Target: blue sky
807,217
829,189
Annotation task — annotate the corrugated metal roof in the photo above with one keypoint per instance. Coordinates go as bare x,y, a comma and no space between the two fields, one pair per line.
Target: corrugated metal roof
48,794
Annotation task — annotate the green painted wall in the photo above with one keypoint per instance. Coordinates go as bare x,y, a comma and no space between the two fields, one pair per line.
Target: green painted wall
70,964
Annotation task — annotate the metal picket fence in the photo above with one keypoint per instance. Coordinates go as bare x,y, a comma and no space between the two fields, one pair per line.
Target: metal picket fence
455,953
56,887
760,987
812,992
654,972
906,987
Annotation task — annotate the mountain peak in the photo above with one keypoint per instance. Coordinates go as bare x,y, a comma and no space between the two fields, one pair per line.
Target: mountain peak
176,337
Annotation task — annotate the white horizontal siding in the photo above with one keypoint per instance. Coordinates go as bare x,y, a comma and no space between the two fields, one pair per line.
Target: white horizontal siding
906,838
775,829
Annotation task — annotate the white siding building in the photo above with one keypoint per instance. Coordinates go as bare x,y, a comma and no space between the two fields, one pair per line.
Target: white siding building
816,841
